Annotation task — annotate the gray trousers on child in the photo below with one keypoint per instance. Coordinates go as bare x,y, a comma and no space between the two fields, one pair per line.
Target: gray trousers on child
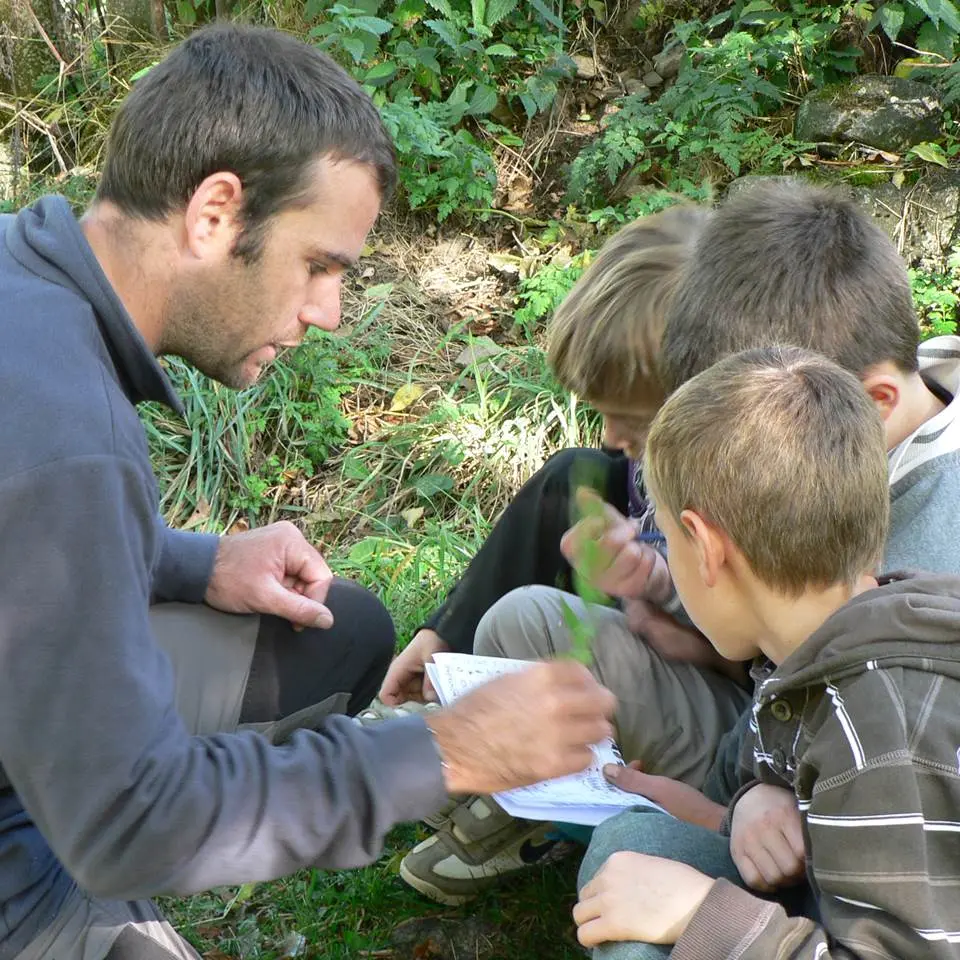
670,716
648,831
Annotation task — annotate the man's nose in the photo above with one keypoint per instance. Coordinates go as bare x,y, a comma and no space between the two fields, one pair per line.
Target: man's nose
323,311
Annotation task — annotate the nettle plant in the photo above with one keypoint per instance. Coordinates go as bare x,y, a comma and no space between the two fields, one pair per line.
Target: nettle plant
440,71
743,70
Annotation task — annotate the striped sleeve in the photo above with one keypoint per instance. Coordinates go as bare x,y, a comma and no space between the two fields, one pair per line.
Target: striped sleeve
882,829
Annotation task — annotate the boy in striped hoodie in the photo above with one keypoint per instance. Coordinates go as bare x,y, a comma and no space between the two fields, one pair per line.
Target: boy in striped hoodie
769,477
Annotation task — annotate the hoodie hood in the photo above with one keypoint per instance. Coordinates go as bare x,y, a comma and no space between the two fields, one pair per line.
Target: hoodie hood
909,620
47,240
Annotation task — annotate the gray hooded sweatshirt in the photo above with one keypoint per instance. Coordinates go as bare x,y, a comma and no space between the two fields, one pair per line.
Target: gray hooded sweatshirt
101,785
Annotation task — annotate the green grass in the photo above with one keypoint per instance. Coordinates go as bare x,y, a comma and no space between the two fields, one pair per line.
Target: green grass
345,915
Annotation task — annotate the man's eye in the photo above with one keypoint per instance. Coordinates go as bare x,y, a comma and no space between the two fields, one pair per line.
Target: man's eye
316,267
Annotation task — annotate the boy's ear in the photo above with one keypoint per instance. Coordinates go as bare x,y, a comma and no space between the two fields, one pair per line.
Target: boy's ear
709,544
883,389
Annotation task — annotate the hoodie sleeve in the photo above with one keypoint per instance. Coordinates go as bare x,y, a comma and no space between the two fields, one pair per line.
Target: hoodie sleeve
881,829
131,804
185,564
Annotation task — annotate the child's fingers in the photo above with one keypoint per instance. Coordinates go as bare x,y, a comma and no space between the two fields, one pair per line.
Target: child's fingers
587,908
779,848
768,867
752,874
592,933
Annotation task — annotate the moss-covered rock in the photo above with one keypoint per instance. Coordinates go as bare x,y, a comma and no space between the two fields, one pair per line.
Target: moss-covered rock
889,113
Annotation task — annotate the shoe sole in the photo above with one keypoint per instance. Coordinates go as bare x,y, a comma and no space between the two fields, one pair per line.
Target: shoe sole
433,892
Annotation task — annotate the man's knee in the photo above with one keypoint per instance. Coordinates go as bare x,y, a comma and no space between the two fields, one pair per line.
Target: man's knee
356,604
134,944
518,624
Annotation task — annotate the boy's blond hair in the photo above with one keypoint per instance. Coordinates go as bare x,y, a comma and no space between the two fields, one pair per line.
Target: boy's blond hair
605,336
784,452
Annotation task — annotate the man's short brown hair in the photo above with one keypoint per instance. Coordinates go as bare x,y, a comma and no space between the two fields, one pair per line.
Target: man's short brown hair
250,100
605,336
784,262
784,452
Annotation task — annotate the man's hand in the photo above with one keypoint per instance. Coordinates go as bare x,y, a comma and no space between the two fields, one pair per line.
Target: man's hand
766,838
271,570
680,799
637,897
518,729
407,677
626,568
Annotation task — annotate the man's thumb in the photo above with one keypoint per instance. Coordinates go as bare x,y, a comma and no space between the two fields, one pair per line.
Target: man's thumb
300,610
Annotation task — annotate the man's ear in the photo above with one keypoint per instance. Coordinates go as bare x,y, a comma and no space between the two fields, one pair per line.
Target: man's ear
883,387
212,221
708,542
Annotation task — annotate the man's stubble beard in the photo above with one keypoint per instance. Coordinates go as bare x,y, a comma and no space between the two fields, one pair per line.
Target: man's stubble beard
198,329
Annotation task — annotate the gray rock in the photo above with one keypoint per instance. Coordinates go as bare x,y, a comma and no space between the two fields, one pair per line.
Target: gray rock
653,79
478,352
636,88
667,62
889,113
923,219
586,68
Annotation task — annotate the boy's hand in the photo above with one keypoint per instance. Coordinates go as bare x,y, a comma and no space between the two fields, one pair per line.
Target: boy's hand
407,677
680,799
766,838
637,897
623,567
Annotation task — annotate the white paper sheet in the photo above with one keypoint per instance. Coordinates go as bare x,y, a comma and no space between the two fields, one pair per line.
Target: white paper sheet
585,798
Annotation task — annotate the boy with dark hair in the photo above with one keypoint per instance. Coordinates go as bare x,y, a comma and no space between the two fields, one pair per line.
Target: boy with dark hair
769,479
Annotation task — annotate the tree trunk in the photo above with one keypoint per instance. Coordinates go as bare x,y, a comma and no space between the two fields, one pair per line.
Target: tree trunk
133,21
31,41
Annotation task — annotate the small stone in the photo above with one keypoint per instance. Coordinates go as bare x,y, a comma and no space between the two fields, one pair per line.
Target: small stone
637,88
653,79
586,68
888,113
610,93
477,351
667,62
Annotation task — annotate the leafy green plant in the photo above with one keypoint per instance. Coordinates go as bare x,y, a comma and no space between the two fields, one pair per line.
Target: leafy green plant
713,115
540,294
439,70
441,167
933,26
937,296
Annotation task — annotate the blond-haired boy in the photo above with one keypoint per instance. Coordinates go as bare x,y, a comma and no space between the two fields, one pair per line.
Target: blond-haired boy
604,346
770,481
